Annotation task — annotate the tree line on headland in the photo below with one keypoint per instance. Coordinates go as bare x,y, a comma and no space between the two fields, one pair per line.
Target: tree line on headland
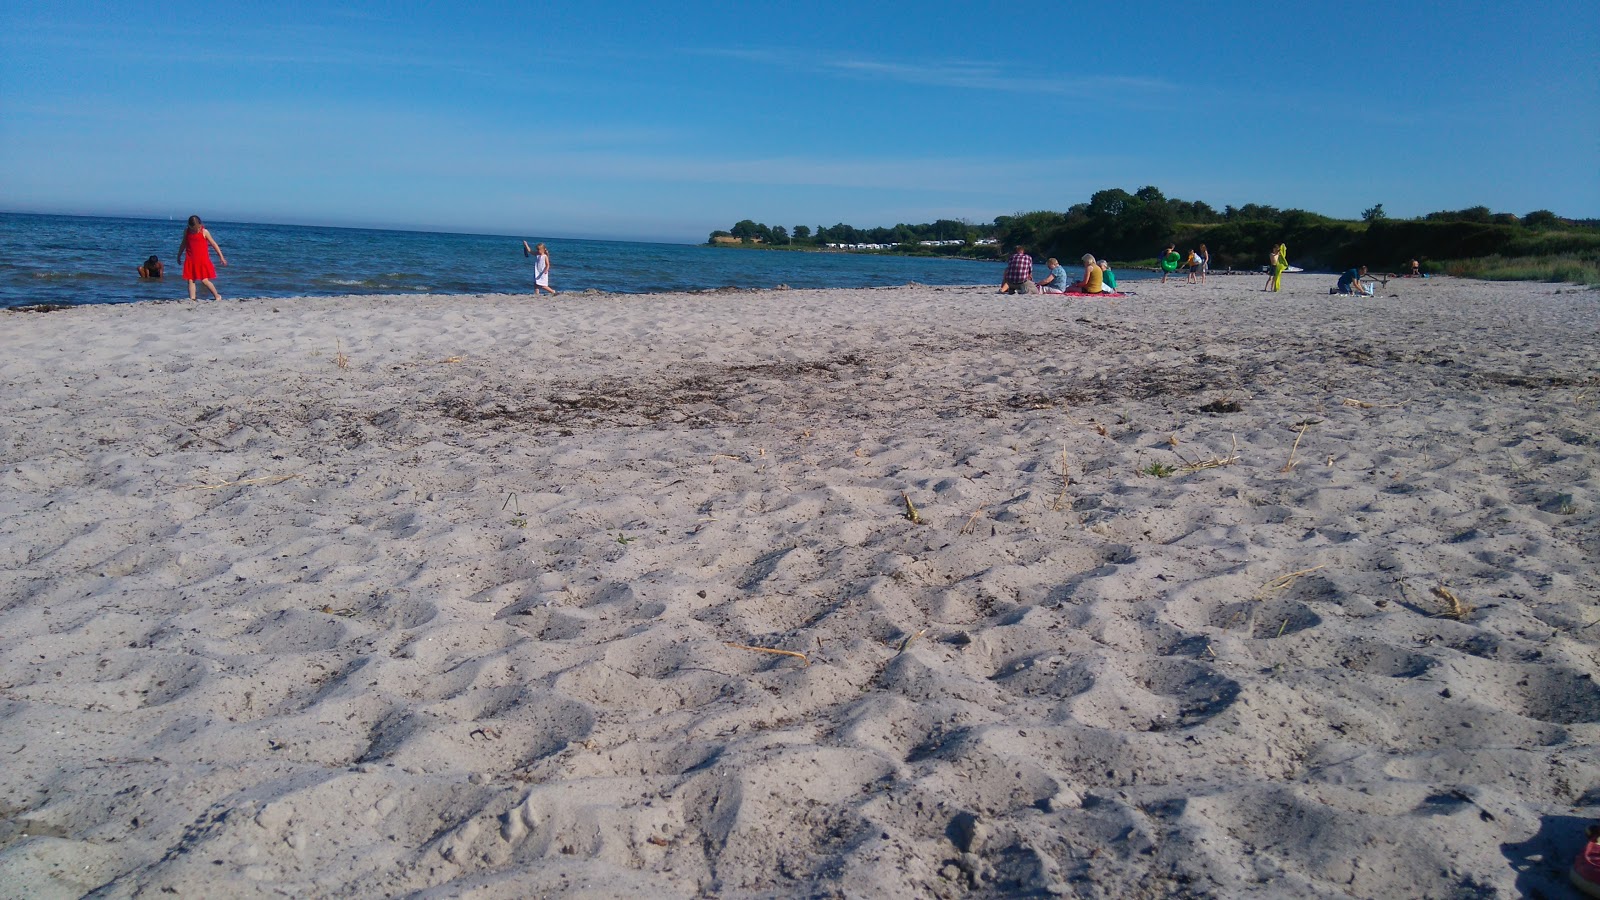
1133,229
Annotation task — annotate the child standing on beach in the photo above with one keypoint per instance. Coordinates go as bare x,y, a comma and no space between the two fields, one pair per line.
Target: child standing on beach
541,267
194,254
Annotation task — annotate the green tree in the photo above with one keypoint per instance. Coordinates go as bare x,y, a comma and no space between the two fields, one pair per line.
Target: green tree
1541,220
802,233
1373,213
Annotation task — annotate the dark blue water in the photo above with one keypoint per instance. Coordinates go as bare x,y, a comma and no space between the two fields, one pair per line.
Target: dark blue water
78,259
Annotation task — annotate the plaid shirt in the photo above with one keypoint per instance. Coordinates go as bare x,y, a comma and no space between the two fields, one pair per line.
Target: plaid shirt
1019,269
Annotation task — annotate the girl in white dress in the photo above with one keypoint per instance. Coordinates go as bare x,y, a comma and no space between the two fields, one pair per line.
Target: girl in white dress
541,266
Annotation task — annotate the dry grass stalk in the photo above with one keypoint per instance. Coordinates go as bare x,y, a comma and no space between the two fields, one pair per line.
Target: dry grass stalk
267,479
339,359
971,520
1458,609
1215,462
909,638
1066,480
797,655
451,359
911,509
1283,581
1289,466
1358,404
717,456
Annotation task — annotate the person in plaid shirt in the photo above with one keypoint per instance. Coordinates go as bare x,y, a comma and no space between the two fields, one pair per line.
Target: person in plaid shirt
1019,273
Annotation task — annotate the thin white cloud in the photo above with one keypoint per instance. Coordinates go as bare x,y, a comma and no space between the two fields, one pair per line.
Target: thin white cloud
958,74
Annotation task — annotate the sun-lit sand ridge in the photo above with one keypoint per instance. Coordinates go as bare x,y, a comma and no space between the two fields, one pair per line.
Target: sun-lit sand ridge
1204,591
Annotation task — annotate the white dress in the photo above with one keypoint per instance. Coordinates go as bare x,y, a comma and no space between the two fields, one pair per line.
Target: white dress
541,270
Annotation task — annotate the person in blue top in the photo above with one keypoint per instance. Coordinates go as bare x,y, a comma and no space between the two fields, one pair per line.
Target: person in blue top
1350,283
1057,282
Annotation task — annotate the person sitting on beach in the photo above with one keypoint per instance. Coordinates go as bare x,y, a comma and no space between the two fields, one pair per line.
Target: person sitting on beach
152,268
1350,283
1416,270
1169,262
1108,278
1057,282
1093,279
1019,273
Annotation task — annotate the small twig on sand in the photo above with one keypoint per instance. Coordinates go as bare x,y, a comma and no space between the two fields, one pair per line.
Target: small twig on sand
911,509
1215,462
797,655
971,520
1458,610
1358,404
1283,581
1289,466
267,479
909,638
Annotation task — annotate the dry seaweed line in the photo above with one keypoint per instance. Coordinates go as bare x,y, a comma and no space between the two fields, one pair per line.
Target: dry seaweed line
264,479
797,655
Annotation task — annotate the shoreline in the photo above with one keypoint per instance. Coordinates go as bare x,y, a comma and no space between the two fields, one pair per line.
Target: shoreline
904,590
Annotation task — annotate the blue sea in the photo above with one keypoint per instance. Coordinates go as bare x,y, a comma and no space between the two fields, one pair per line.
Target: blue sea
81,259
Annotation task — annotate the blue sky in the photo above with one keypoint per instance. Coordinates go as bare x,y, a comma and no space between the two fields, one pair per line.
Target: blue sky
662,121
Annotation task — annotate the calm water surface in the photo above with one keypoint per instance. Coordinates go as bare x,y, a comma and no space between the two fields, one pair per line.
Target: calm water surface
78,259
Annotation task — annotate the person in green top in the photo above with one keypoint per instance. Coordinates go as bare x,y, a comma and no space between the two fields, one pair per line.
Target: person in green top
1169,262
1108,277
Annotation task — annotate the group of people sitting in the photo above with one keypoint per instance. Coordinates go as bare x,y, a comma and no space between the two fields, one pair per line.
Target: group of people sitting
1097,276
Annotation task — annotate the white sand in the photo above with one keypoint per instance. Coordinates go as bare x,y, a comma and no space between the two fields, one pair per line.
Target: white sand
477,642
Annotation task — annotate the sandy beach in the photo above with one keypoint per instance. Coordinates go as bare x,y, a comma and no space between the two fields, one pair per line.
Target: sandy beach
916,591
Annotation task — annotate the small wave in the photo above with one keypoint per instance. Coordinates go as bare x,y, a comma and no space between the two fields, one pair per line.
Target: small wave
66,276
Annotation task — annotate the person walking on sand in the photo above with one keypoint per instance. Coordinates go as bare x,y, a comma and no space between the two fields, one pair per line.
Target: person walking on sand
1169,262
1205,263
1276,263
194,254
541,267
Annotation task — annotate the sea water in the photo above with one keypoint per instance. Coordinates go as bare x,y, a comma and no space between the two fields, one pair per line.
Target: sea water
81,259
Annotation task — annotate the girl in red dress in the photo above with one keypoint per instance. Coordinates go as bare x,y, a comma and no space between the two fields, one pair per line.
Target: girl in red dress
195,255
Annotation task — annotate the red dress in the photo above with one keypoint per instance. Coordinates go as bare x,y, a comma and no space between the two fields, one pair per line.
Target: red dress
197,256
